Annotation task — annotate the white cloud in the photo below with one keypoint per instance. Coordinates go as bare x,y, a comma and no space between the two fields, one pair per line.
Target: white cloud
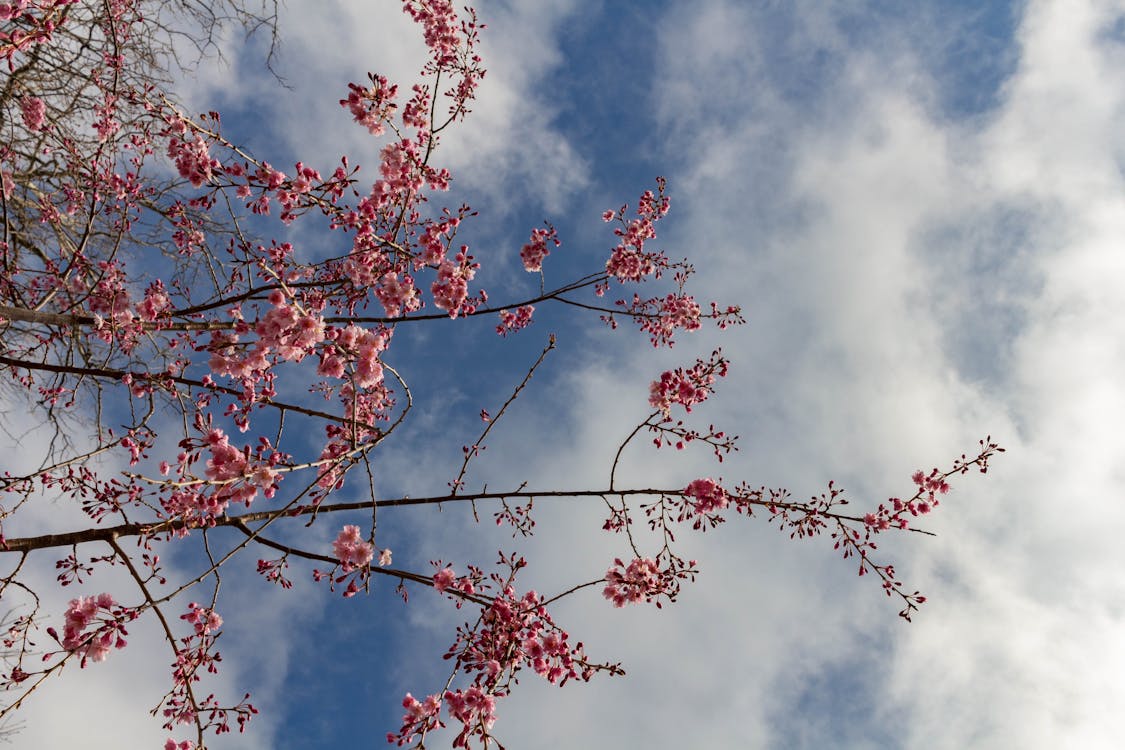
917,281
509,143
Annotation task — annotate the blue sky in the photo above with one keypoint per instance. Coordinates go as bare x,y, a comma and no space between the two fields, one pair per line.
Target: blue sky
920,210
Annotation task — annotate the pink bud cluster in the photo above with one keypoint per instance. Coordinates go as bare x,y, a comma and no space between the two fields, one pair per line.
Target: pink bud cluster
925,500
195,654
28,23
34,111
274,571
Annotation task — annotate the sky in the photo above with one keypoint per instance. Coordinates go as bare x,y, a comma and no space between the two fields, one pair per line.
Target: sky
919,210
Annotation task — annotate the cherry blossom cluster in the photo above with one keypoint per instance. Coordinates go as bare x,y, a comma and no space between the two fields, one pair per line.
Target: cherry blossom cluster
533,253
372,106
354,555
351,550
421,717
515,320
230,475
106,618
662,317
446,579
639,581
628,260
34,111
517,629
192,158
687,387
441,27
925,500
284,332
514,632
474,709
659,316
202,619
434,241
708,496
451,288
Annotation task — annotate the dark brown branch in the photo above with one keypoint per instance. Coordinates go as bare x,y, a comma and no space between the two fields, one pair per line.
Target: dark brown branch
164,377
66,539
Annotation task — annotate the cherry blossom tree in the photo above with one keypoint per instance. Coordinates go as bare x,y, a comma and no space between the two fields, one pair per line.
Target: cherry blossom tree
183,363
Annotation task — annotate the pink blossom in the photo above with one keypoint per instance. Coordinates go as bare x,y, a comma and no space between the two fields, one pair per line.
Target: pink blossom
474,709
709,496
368,369
514,321
640,581
34,111
83,613
444,579
371,107
536,250
154,303
399,296
202,619
266,479
193,159
687,387
330,366
451,288
440,24
351,550
226,462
